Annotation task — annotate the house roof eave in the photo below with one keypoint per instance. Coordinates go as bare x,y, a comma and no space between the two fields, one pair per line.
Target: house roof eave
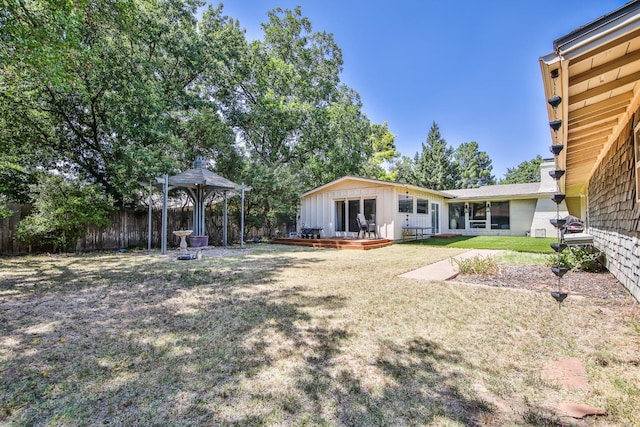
598,68
376,182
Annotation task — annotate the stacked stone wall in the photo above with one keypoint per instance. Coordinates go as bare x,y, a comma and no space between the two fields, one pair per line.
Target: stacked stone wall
614,213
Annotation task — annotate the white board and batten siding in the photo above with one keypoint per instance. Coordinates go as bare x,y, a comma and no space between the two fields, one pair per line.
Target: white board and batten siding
317,208
419,219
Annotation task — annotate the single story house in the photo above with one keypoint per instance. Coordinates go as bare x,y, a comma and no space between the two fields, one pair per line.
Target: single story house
399,210
592,84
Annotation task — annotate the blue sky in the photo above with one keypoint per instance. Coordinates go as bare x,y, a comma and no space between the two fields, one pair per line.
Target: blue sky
470,66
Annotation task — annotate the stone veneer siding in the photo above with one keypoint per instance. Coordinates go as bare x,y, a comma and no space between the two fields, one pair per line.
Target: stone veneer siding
614,214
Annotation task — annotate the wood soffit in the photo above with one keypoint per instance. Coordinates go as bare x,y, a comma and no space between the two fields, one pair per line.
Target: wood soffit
600,92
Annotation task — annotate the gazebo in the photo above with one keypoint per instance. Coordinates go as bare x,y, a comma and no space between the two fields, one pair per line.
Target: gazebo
199,184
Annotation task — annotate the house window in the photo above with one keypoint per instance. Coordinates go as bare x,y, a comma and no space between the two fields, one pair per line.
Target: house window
478,215
456,216
499,215
422,206
636,150
405,204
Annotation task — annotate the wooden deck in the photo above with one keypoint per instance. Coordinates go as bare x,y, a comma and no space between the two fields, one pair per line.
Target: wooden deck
335,242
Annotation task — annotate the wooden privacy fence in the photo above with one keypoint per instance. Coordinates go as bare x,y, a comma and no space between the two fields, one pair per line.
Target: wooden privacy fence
129,229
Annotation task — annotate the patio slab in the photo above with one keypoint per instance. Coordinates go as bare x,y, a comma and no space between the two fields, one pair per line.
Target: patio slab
446,269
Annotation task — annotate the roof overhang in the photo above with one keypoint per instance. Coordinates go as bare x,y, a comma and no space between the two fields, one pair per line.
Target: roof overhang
528,196
377,183
598,79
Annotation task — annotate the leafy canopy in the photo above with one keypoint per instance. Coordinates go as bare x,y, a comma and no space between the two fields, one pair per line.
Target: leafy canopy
62,209
527,171
114,91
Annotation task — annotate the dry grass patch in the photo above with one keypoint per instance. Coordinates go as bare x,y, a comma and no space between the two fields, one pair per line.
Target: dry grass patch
291,336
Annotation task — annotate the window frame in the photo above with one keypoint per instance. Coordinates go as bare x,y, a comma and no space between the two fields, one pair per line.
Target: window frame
475,219
407,199
426,206
494,208
459,208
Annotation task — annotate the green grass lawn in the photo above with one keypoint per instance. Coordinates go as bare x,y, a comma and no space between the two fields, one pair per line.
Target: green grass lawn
510,243
283,336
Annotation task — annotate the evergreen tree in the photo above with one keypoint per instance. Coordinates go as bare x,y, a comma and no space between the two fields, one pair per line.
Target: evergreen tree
435,168
402,170
473,165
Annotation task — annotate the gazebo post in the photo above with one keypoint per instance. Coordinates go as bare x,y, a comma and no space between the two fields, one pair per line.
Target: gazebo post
224,221
203,228
242,215
149,230
165,196
196,212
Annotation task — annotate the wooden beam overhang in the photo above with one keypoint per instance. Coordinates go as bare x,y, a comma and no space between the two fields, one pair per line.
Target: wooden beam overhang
599,82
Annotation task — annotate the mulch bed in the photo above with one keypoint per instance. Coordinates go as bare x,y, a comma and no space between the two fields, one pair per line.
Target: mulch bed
540,278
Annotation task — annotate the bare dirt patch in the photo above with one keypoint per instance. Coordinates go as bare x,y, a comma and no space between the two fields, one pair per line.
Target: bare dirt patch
540,278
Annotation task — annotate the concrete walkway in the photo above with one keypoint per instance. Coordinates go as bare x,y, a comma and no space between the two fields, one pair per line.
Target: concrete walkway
447,268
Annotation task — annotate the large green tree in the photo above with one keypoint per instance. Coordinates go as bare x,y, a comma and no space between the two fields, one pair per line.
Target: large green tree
113,90
109,92
288,81
295,120
527,171
384,153
474,166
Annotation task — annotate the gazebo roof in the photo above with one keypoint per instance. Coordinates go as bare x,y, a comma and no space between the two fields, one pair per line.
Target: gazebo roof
199,177
192,178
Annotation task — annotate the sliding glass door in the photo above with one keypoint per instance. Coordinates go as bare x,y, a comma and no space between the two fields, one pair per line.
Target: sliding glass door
354,210
435,217
347,213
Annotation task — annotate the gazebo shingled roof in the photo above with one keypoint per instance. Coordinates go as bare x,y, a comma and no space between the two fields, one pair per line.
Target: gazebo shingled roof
199,176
